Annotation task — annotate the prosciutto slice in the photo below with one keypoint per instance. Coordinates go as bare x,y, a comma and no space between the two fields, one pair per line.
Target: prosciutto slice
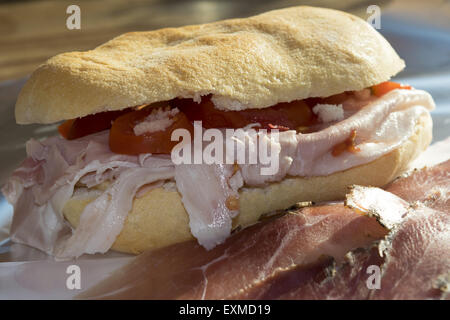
321,252
239,267
414,261
417,258
430,186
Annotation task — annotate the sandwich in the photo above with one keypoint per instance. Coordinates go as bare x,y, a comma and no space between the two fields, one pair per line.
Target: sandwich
310,85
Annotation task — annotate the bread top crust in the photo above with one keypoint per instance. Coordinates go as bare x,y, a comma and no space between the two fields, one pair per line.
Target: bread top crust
256,62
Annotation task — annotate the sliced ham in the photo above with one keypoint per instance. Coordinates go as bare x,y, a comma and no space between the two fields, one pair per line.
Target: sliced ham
50,174
46,180
321,252
209,198
417,258
414,259
413,262
103,218
284,149
239,267
430,186
381,126
326,280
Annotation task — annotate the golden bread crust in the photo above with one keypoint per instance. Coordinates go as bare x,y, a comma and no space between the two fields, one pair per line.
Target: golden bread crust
256,62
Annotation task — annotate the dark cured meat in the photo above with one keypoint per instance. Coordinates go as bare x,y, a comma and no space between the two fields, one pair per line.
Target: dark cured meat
415,263
303,255
245,261
429,185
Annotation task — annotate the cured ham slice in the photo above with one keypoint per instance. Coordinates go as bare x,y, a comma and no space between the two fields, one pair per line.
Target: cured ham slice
430,186
209,199
246,260
104,217
319,252
417,254
46,180
414,263
414,259
417,258
381,126
40,188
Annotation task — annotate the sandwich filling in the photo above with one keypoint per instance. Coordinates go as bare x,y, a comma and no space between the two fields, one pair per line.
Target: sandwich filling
317,137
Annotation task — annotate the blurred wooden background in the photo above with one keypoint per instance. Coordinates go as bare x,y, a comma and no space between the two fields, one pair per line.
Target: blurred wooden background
33,31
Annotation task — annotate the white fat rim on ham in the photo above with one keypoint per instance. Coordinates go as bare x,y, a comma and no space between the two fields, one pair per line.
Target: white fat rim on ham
205,190
44,182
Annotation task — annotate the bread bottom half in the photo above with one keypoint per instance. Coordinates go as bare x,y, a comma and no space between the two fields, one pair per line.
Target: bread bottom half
158,218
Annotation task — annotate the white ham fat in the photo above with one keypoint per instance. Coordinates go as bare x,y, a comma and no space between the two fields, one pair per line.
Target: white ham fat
329,112
206,193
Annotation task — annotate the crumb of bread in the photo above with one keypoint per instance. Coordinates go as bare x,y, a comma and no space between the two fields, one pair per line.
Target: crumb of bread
329,112
158,120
